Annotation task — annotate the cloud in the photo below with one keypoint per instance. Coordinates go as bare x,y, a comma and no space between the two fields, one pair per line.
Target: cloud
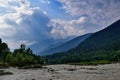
45,1
86,16
99,11
25,24
23,21
66,28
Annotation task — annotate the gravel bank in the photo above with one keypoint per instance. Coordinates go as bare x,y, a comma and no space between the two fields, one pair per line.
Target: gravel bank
66,72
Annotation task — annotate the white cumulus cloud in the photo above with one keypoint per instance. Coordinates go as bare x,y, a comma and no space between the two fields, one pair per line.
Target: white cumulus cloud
25,24
99,11
66,28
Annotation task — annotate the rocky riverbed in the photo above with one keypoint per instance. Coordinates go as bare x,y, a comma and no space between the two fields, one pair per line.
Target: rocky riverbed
66,72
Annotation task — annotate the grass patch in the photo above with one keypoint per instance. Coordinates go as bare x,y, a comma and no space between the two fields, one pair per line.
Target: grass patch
2,66
2,72
31,67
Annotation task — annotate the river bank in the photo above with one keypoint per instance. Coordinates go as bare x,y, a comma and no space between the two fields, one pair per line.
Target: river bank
66,72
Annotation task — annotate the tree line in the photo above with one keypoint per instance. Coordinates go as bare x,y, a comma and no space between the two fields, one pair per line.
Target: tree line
19,57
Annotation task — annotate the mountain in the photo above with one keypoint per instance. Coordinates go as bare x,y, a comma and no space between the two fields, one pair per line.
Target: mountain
58,42
96,47
48,43
41,45
67,45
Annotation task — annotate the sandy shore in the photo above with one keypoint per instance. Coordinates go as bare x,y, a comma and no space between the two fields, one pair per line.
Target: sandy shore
66,72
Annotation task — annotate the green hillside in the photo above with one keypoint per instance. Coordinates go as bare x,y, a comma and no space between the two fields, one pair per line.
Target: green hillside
102,45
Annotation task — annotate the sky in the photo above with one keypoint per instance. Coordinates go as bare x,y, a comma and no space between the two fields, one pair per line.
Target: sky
41,21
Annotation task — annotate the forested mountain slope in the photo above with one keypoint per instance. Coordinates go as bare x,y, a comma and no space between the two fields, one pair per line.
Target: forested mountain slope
97,47
67,45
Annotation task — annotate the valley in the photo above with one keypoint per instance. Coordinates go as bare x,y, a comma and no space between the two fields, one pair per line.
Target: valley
59,39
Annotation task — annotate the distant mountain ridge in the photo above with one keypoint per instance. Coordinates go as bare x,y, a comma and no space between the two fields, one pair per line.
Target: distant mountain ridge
40,46
67,45
96,47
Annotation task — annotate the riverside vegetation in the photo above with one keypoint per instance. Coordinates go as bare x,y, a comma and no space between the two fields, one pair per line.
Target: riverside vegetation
19,57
